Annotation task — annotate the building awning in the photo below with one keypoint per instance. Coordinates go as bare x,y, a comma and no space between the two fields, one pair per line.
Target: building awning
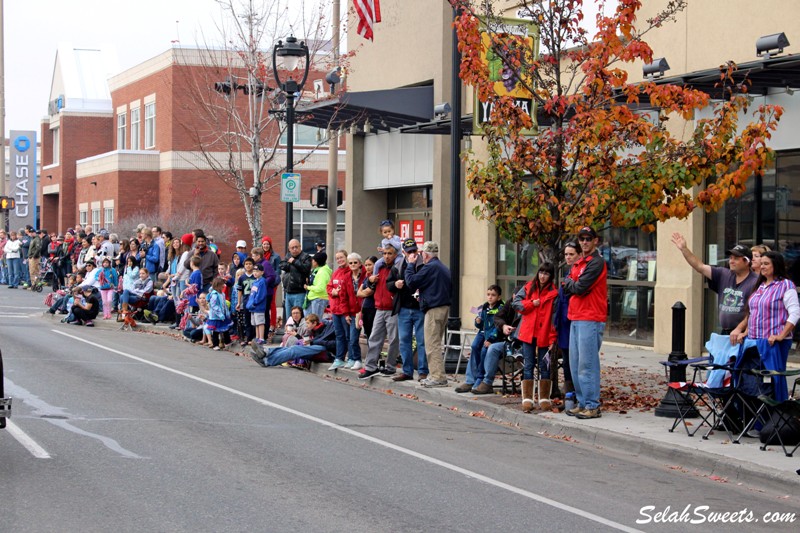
439,126
385,109
763,74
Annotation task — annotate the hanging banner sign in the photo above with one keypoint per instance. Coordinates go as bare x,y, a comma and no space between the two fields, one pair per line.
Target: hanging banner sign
22,179
523,35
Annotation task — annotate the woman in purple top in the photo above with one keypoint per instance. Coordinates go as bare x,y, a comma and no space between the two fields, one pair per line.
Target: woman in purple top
773,313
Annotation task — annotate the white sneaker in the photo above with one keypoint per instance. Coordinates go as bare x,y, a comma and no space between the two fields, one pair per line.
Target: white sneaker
349,364
338,363
357,365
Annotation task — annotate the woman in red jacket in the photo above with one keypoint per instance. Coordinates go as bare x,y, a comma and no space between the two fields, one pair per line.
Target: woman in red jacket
345,305
535,303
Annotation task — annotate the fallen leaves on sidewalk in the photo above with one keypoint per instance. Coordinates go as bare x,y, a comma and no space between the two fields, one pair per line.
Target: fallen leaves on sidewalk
625,389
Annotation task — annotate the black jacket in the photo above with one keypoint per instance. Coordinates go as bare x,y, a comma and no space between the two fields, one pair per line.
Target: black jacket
403,298
295,274
506,316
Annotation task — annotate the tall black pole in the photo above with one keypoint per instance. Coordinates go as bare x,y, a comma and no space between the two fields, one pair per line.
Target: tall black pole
455,181
289,160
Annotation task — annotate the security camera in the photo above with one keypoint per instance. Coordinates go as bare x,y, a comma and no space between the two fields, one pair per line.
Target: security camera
442,109
771,44
656,69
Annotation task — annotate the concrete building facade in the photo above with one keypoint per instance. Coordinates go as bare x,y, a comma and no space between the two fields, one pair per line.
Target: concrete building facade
412,48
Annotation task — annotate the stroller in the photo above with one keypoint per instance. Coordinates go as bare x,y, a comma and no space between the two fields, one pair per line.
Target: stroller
46,276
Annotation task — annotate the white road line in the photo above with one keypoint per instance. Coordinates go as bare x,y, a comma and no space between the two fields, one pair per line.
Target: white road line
15,316
18,307
25,439
374,440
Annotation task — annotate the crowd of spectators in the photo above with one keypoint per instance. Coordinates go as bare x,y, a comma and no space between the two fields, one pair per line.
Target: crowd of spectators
401,297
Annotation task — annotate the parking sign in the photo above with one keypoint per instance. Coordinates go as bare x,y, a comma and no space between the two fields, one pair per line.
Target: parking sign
290,187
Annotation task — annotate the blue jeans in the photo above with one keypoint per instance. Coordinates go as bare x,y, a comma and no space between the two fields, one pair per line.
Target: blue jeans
475,370
491,361
283,354
129,298
14,271
412,322
584,360
292,300
317,306
347,338
528,358
24,273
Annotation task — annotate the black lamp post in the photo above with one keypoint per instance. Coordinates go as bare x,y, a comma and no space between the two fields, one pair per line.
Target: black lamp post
291,52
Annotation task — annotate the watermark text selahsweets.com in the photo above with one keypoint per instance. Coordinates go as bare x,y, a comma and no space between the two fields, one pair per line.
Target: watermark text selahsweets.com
703,514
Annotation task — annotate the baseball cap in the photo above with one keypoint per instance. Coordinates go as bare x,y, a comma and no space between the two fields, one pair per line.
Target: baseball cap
586,230
740,250
241,244
431,247
258,266
409,245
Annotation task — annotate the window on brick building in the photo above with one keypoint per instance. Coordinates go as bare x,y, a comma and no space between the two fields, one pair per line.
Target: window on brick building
135,129
95,220
150,125
108,218
122,121
56,145
83,217
306,136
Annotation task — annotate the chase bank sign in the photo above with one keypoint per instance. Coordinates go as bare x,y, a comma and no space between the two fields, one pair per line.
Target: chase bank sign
23,178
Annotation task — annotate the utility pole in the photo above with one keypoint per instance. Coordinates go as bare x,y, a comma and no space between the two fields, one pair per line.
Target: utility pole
4,215
333,152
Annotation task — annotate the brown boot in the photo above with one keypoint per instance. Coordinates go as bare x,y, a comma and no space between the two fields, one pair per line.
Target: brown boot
527,395
545,385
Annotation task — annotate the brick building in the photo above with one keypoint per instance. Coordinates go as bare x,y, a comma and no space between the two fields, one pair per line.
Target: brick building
116,144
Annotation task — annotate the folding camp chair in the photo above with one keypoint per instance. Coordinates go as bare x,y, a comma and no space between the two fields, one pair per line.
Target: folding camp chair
788,413
511,366
734,404
685,394
764,409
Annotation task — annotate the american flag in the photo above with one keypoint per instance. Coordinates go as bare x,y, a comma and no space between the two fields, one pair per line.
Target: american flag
369,13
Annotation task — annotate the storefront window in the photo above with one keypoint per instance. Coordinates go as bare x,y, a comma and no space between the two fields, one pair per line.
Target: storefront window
630,256
767,213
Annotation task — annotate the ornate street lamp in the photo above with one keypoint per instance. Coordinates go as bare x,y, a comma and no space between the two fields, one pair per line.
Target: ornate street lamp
290,52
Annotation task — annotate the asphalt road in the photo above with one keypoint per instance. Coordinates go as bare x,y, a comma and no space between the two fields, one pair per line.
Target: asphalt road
122,431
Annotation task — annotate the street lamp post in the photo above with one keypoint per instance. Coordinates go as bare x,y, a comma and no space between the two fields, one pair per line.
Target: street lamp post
291,52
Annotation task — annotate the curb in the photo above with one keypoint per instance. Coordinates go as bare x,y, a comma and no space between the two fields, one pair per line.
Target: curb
552,425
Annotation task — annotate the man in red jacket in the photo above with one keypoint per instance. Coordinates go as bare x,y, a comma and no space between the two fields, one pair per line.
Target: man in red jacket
588,310
385,324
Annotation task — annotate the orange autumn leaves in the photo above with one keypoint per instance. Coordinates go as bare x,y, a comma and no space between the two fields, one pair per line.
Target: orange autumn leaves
604,152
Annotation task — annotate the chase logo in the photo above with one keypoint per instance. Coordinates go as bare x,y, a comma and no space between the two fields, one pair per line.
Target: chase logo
22,143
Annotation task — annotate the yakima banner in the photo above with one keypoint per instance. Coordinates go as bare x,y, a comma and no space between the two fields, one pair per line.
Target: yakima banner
21,184
509,33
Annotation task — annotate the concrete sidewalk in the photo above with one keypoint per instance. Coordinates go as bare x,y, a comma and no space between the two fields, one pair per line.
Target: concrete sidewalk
627,370
636,432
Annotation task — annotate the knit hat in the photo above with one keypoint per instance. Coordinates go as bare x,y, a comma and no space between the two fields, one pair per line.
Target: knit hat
320,257
187,239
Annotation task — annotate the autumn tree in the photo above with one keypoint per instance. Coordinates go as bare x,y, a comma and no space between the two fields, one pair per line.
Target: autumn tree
598,158
235,113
